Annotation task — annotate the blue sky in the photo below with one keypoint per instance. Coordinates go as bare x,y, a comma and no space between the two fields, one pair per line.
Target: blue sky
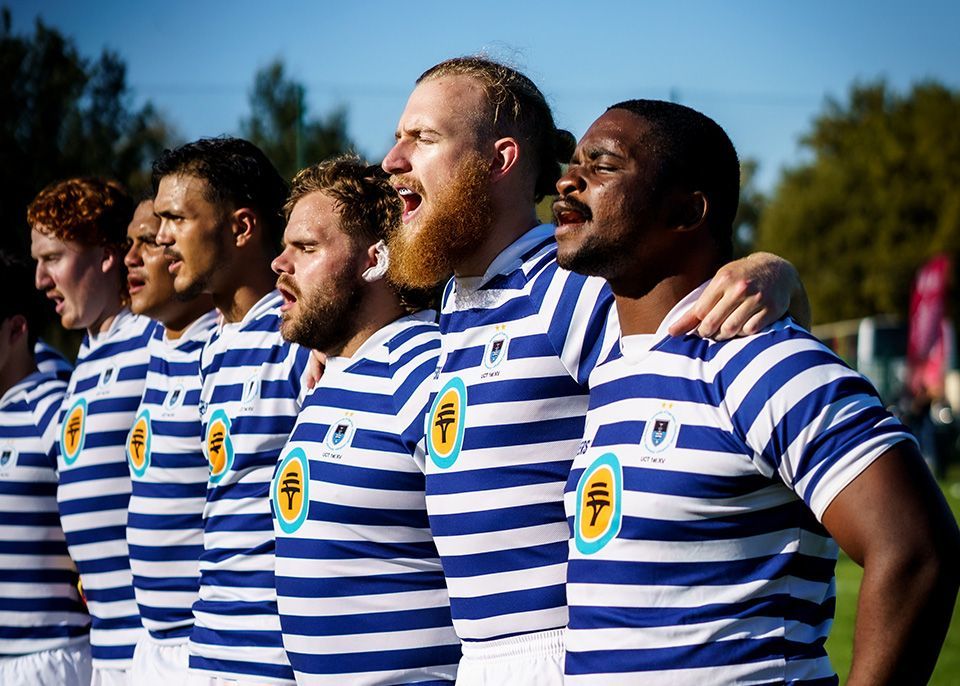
761,69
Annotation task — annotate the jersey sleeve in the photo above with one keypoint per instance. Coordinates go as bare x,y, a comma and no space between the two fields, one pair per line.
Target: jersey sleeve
298,358
46,416
807,418
578,316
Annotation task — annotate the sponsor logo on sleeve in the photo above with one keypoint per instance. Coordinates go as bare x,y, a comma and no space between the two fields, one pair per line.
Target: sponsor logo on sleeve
599,504
291,491
218,445
138,444
73,431
446,424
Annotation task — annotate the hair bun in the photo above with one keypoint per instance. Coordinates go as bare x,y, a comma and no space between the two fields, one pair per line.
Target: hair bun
564,144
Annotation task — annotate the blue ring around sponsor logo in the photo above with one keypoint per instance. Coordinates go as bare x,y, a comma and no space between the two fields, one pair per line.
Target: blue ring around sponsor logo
445,461
221,416
148,439
70,458
286,525
590,547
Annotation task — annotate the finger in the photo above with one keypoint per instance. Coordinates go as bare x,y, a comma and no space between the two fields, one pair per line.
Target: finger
720,312
758,322
691,318
687,322
733,325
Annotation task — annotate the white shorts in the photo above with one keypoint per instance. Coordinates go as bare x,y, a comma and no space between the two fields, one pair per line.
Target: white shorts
69,666
160,664
525,660
111,677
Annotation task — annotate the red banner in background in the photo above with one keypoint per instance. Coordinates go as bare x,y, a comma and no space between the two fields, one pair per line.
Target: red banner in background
927,354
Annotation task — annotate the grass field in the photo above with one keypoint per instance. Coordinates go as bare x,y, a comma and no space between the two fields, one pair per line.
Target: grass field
947,672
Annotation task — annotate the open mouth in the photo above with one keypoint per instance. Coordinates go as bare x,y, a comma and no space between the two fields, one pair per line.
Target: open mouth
289,299
411,201
57,301
135,283
570,213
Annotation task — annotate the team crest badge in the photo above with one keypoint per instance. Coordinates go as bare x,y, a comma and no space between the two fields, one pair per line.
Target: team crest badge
599,497
8,456
138,444
339,434
445,428
251,388
73,431
219,445
108,376
496,349
660,432
291,491
174,398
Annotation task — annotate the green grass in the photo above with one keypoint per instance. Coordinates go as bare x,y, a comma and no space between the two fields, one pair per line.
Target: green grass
840,642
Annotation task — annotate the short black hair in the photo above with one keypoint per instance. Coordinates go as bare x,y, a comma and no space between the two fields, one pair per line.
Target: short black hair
17,277
691,151
236,172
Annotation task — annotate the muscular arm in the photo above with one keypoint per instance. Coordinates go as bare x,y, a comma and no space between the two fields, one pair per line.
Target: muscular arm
745,296
894,522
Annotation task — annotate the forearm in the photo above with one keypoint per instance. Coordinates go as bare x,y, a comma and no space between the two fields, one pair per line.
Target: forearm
903,613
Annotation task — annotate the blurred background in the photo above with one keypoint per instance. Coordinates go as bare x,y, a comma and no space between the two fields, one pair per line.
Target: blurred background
846,117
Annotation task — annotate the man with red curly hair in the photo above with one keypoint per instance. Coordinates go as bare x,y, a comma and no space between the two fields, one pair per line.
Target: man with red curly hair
78,238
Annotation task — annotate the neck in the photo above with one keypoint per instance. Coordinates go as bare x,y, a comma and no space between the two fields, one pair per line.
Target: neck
19,366
175,324
513,217
106,319
379,308
249,285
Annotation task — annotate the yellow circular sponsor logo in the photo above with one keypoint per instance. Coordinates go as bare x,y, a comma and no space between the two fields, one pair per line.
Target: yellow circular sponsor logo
219,445
291,491
73,431
599,495
445,431
138,444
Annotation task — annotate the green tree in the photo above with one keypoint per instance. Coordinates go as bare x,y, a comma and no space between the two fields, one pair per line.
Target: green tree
64,115
880,195
280,126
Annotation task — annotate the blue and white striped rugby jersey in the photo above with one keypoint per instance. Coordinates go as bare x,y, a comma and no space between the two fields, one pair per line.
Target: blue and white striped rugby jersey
50,361
518,346
250,395
169,479
696,553
98,411
40,606
360,588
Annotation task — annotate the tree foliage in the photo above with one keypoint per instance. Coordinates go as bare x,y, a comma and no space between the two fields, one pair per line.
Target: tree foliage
880,195
65,115
280,126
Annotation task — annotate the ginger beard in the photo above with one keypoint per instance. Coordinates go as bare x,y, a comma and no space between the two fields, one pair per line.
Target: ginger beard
326,314
455,226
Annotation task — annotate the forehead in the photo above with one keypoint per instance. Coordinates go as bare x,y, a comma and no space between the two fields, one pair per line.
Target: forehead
447,104
620,131
144,220
315,216
42,242
179,189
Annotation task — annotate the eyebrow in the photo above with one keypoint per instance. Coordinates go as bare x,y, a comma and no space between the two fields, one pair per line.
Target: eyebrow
415,130
595,152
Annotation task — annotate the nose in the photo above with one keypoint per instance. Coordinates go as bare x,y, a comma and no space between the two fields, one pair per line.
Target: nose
572,181
42,279
133,258
281,263
396,161
165,233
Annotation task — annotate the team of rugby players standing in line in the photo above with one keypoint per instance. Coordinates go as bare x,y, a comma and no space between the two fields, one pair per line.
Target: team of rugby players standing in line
611,457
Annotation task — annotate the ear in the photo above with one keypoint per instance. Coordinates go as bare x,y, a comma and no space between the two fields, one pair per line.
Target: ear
507,156
109,261
18,328
690,211
244,225
376,260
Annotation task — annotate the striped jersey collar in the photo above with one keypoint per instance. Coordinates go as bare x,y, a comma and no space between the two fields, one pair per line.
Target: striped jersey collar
117,324
24,384
198,328
634,348
510,259
380,338
269,301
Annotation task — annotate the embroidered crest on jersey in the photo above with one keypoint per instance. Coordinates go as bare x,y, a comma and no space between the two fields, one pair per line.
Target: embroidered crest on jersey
495,351
660,432
108,376
73,431
219,445
138,444
446,422
251,389
599,504
340,434
8,457
174,398
291,491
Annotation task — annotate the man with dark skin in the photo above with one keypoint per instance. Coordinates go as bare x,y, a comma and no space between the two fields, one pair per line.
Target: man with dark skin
721,489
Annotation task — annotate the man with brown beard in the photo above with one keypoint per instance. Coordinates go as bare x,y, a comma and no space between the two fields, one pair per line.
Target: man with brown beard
476,148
